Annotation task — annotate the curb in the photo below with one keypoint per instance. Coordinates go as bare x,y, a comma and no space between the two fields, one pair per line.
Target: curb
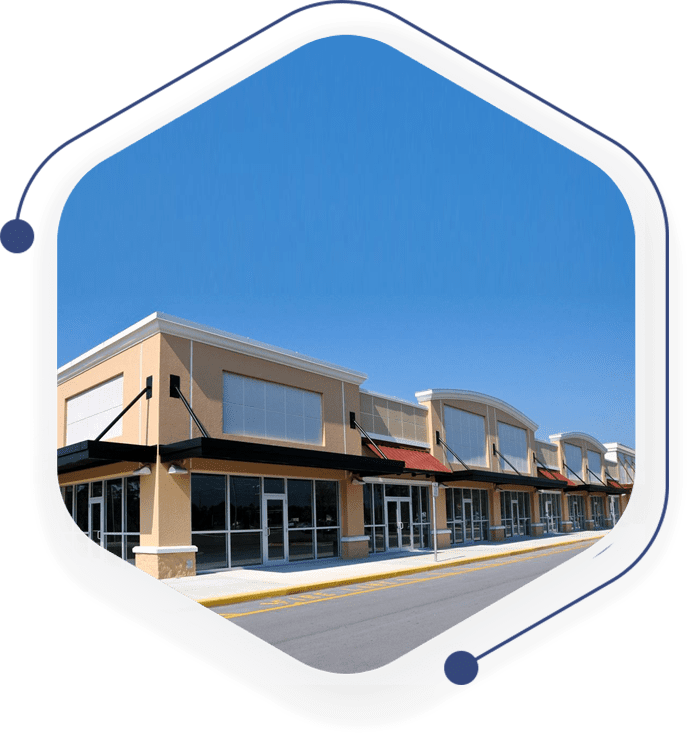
227,600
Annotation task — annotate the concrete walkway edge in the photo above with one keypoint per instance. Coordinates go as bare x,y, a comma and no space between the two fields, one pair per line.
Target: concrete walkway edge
225,600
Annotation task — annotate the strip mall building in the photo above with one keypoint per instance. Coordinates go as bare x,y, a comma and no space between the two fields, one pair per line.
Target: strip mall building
185,449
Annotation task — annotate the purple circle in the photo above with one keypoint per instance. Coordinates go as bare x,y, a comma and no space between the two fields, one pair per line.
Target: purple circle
17,236
461,668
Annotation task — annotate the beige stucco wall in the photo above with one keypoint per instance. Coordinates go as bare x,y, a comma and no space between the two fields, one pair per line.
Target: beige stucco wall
140,423
492,416
205,395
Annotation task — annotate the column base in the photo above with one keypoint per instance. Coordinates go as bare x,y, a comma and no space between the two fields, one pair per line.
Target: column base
444,539
354,547
164,562
538,529
497,533
566,527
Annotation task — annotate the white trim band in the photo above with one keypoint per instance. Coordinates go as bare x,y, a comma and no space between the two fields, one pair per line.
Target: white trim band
165,550
172,326
355,538
472,396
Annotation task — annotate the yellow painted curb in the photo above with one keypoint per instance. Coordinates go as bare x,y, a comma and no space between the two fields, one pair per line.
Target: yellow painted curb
227,600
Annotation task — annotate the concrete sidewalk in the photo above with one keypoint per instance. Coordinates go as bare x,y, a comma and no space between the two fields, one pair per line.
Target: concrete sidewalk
252,583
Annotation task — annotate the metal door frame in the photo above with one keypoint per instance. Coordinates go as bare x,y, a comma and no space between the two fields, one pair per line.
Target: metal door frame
400,526
265,529
93,502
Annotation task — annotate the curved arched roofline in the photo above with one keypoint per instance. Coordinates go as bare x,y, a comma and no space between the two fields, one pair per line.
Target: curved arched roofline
567,435
470,395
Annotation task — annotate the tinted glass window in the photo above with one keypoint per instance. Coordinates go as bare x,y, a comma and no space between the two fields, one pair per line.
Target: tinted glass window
244,501
208,499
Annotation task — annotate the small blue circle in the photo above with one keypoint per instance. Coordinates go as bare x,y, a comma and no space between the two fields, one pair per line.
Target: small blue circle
17,236
461,668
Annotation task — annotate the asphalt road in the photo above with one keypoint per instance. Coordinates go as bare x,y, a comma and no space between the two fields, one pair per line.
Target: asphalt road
360,627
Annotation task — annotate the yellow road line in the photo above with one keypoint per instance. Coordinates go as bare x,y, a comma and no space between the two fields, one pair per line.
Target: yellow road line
375,588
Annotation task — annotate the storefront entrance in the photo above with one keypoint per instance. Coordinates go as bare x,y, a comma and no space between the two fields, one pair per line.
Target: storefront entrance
275,539
96,520
614,509
398,511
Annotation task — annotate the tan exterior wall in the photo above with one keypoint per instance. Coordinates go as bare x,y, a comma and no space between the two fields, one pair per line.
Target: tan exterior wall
492,416
140,423
584,447
205,395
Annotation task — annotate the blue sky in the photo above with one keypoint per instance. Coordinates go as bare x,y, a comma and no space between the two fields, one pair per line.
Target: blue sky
350,204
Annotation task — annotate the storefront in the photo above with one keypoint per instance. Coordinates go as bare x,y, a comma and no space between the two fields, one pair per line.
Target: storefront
185,450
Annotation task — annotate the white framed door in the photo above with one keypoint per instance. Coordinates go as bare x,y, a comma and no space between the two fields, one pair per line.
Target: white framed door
398,512
275,539
96,521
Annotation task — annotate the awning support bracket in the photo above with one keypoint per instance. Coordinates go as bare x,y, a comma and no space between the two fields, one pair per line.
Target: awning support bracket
440,442
147,390
175,392
497,453
354,424
575,473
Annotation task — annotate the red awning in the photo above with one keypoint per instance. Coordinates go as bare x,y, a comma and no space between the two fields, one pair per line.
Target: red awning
553,475
614,484
414,460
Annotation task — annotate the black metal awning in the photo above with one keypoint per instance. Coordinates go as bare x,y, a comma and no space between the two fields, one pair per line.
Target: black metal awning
594,488
89,454
500,478
243,451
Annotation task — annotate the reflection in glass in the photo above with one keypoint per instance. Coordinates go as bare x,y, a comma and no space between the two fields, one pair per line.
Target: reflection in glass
246,549
326,503
208,502
211,551
82,506
114,506
114,544
244,502
130,542
132,508
300,544
327,543
300,500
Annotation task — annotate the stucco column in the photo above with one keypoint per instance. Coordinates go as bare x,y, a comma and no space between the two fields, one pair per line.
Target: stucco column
589,515
497,531
165,548
566,524
354,540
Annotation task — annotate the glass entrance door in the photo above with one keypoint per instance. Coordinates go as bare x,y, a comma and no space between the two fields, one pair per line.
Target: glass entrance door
468,525
551,522
398,523
274,546
613,510
515,517
96,520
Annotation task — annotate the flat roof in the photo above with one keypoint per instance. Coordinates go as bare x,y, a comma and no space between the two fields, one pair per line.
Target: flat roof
173,326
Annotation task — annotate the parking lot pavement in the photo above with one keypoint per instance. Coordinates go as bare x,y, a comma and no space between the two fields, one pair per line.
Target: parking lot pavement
251,583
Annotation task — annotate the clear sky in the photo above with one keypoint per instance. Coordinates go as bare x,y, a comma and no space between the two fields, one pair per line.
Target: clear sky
350,204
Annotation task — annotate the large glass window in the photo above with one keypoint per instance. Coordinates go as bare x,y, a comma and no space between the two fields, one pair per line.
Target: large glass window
90,412
268,410
467,514
614,509
550,512
594,464
420,506
573,459
121,512
626,468
576,511
597,504
465,433
374,516
227,518
512,443
516,516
